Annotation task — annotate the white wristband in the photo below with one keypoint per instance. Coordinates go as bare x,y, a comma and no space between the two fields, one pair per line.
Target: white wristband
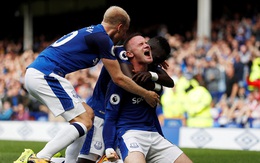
154,76
109,152
157,87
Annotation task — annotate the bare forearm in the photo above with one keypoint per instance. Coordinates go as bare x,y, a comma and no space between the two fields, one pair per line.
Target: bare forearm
122,80
130,86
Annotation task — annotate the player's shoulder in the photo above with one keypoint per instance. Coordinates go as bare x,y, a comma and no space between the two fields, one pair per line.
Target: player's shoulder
96,30
120,53
97,35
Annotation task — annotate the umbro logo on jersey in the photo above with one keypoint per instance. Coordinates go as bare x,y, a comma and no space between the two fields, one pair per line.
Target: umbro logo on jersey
90,29
95,61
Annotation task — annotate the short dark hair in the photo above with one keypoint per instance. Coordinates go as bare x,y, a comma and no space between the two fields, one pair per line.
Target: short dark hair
161,42
160,49
129,38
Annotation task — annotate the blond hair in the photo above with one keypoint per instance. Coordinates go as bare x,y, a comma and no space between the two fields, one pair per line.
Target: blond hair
115,15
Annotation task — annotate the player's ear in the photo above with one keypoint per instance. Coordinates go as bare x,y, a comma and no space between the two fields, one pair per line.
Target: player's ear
119,27
129,54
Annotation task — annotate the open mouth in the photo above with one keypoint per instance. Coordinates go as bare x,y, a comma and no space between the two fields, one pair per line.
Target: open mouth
147,53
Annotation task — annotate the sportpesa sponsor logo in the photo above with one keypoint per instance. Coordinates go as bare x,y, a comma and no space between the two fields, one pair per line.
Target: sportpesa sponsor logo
115,99
137,100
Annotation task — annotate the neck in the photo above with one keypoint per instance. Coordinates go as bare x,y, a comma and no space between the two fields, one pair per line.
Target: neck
110,30
139,67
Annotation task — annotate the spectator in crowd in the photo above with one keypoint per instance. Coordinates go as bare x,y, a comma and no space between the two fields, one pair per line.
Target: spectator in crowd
239,69
211,78
231,84
172,100
238,113
240,35
21,113
253,80
6,111
198,106
189,69
16,94
85,91
253,105
222,113
245,57
172,106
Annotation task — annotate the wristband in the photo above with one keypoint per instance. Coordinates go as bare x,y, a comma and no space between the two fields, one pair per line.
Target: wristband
109,151
154,76
157,87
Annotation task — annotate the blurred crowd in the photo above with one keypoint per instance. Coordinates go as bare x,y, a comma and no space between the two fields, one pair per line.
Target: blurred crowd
227,65
217,79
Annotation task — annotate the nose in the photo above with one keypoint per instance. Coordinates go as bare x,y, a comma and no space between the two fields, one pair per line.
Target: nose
147,45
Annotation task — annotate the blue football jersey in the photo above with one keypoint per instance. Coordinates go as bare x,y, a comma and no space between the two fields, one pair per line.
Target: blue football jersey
77,50
126,111
97,100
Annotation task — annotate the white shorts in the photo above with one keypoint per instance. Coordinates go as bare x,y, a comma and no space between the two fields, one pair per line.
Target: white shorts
54,91
155,148
95,149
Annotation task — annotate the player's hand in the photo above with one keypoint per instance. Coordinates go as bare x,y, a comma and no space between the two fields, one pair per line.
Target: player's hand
111,154
152,98
141,77
165,65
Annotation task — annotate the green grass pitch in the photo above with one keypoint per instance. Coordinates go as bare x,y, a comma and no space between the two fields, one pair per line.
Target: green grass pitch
11,150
